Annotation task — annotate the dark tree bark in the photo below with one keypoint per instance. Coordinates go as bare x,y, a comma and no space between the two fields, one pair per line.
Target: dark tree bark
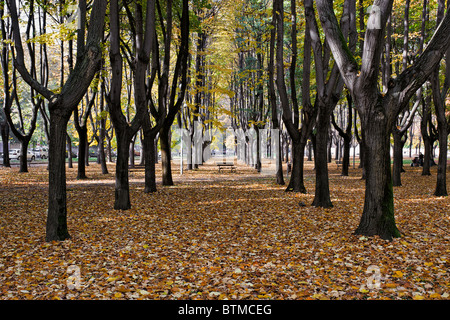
9,97
62,105
171,100
328,94
273,105
125,130
4,127
429,134
378,112
290,107
439,99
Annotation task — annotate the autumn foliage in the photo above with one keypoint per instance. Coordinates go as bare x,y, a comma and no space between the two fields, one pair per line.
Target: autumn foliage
220,236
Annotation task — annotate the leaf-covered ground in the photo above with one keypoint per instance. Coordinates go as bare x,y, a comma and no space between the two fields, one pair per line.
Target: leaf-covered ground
220,236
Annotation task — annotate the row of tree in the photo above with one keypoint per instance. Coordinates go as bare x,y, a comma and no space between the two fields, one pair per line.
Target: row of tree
288,66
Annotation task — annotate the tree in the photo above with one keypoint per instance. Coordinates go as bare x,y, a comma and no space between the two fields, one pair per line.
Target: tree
273,99
62,104
345,134
298,126
439,94
171,98
20,130
328,93
378,110
125,130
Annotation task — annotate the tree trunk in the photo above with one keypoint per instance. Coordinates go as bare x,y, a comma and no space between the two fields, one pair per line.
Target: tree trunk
399,142
258,150
165,157
23,155
122,189
56,229
149,154
296,183
5,138
69,150
441,184
322,192
132,157
346,156
279,159
427,140
82,145
378,214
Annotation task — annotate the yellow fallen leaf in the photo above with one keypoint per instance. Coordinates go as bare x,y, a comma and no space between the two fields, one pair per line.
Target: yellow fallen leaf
398,274
418,297
435,295
118,295
362,290
391,285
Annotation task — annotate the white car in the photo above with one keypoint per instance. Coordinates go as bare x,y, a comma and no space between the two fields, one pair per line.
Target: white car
44,153
14,154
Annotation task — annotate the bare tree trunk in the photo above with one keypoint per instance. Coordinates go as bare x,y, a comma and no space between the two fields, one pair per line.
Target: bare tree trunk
164,140
322,191
56,228
399,142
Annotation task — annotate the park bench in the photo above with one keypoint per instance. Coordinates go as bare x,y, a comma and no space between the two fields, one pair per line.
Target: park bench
226,165
339,163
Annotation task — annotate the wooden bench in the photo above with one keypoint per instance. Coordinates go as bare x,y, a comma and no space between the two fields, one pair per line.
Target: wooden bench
226,165
338,163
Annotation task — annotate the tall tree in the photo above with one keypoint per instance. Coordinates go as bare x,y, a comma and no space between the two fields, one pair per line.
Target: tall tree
346,134
273,100
299,126
20,130
62,104
440,92
171,98
379,111
328,93
125,129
